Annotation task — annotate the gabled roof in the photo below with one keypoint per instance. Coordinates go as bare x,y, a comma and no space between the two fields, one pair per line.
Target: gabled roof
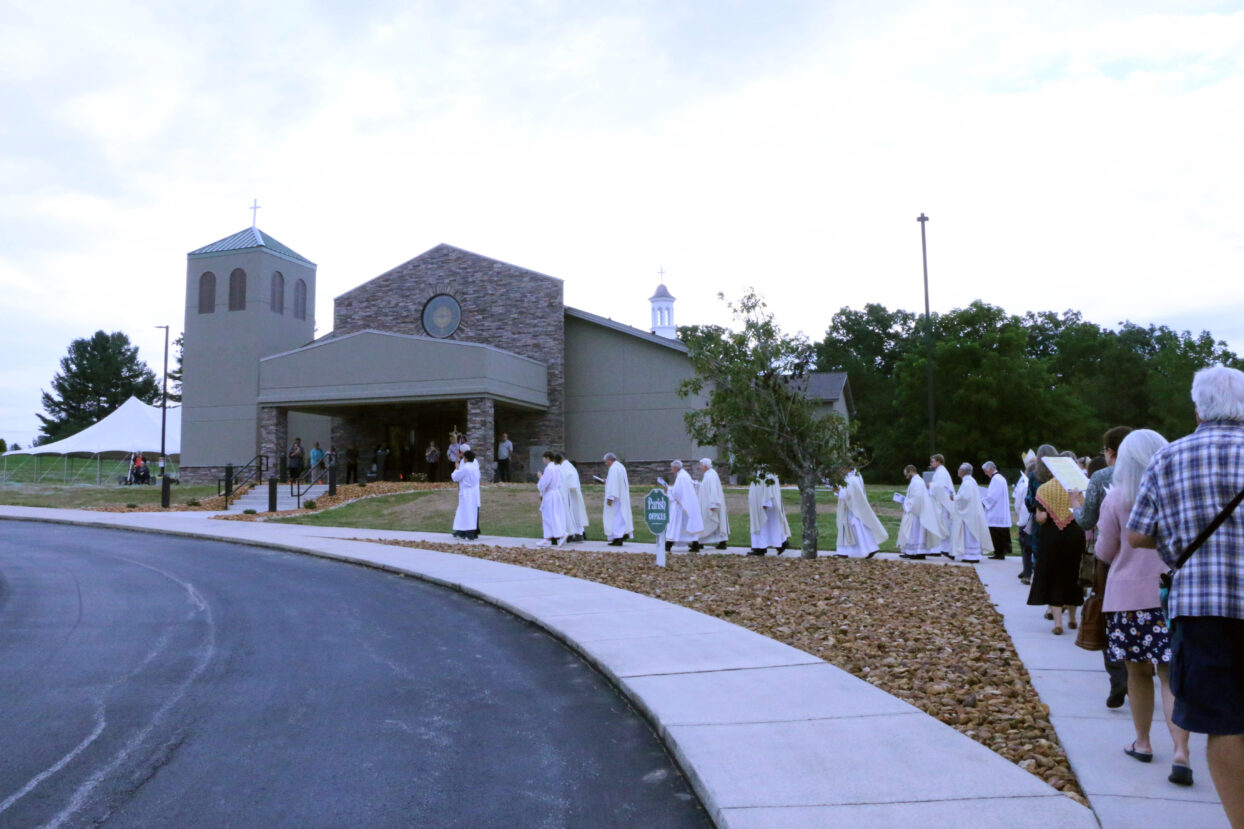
249,239
432,255
647,336
827,387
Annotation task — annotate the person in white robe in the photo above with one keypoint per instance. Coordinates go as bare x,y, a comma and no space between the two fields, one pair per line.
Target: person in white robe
466,475
552,502
769,527
685,522
970,535
576,512
617,519
942,490
713,507
859,530
997,503
921,530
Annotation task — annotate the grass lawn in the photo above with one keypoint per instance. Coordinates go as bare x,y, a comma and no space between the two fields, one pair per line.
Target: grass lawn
57,469
514,510
80,496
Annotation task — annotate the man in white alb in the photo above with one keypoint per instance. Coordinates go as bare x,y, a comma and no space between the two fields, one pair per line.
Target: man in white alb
466,475
997,511
713,508
576,511
617,519
942,491
859,530
552,502
970,531
769,527
685,522
921,530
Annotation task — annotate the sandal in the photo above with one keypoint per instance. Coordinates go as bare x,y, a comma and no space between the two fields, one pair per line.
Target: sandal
1072,624
1142,756
1181,775
1058,631
1049,615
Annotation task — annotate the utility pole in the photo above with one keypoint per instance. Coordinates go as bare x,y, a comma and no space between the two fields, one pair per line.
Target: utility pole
928,334
164,490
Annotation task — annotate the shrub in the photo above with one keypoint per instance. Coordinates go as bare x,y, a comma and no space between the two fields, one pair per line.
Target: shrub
248,512
362,483
193,502
131,506
308,504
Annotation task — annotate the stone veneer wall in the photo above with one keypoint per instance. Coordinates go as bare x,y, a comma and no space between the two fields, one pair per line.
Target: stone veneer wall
479,435
504,306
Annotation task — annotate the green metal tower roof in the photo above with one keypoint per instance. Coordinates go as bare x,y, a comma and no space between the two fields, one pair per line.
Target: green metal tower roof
249,239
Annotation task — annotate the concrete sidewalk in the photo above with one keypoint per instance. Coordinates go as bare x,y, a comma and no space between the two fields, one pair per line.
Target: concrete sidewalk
1072,682
768,735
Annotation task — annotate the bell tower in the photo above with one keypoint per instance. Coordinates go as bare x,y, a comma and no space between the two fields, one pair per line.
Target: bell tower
663,312
247,297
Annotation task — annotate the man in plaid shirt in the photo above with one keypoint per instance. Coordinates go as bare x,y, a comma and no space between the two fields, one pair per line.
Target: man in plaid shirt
1186,485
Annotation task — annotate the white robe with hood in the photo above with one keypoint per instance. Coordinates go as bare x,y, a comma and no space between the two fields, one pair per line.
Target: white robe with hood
576,512
920,532
970,532
685,521
769,527
941,488
552,502
859,530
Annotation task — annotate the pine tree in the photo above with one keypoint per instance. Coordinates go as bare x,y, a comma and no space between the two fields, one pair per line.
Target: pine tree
95,377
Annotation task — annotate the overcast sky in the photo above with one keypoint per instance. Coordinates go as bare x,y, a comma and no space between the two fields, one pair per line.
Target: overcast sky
1069,155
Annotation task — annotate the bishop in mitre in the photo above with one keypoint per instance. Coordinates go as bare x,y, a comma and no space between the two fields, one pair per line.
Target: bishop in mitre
713,508
685,522
552,502
617,519
921,530
859,530
970,532
769,527
466,475
576,512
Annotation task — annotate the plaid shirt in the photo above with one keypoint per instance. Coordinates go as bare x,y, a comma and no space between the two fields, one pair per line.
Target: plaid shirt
1186,484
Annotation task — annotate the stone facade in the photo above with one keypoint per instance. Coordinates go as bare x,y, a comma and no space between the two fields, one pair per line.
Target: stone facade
273,435
504,306
479,435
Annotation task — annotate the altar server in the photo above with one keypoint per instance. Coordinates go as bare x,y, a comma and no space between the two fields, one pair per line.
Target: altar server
466,475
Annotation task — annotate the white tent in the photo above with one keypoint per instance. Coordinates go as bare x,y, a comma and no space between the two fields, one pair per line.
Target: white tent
133,427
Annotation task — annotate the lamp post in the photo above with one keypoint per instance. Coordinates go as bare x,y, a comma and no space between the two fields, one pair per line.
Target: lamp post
164,488
928,334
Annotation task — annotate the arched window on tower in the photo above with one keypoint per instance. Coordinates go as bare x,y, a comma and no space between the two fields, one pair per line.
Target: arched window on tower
237,290
300,300
278,292
207,293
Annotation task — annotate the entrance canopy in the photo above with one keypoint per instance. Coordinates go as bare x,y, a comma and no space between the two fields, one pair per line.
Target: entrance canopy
369,367
133,427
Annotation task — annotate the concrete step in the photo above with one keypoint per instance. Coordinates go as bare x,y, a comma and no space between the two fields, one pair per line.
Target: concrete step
257,499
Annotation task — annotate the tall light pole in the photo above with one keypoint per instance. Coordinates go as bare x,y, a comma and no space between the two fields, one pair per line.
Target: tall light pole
928,334
164,393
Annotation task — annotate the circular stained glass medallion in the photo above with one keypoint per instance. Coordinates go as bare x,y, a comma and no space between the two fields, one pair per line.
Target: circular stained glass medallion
441,316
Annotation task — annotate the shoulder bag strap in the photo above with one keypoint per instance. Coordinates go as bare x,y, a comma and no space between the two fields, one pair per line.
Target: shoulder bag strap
1208,531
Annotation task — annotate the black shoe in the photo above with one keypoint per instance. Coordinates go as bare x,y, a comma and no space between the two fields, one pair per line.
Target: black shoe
721,546
873,553
669,545
694,547
756,552
1115,700
617,542
782,549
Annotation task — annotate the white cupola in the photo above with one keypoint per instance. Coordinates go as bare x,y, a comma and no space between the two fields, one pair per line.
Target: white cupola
663,313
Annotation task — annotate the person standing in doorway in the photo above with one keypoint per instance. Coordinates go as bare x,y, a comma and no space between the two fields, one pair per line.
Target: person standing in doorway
504,449
432,457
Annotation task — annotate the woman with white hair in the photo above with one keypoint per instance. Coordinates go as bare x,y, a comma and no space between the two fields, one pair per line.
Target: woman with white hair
1136,629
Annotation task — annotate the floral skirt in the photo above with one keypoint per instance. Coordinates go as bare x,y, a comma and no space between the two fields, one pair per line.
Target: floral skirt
1138,636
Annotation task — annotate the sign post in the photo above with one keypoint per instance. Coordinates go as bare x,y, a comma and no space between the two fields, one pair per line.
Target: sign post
657,517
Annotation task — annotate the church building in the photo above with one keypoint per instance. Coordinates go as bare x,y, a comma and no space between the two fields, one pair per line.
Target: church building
448,341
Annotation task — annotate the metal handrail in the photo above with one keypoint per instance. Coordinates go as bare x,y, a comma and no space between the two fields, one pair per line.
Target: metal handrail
250,472
298,489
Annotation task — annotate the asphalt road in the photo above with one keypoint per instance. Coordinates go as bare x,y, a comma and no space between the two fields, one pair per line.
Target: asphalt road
157,681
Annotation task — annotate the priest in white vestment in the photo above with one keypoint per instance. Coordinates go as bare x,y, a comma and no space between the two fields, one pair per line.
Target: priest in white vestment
997,511
859,530
921,530
970,535
576,511
769,527
617,519
685,522
942,489
466,475
552,502
713,507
